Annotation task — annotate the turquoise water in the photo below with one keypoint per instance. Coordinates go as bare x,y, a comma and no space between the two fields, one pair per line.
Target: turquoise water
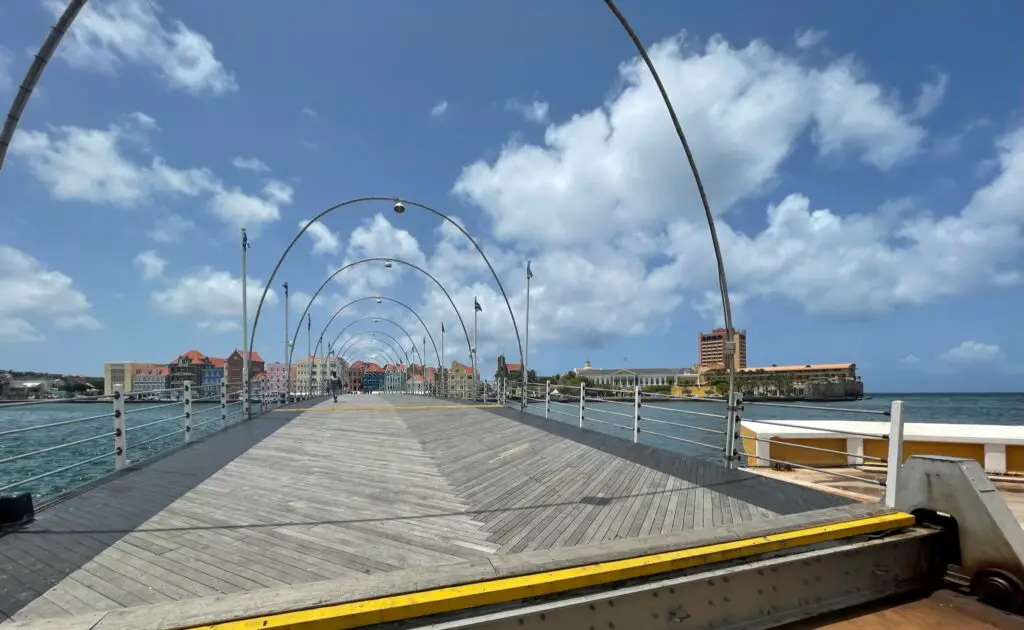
93,420
702,435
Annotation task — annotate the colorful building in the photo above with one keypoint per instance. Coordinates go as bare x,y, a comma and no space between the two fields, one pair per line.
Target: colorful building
277,377
395,377
373,378
150,378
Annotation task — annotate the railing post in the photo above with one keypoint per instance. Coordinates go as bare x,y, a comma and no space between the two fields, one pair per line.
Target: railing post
894,461
547,400
583,397
636,414
247,392
188,411
121,460
732,430
223,402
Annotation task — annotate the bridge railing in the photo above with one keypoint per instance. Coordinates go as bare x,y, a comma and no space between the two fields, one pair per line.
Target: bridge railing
834,441
50,447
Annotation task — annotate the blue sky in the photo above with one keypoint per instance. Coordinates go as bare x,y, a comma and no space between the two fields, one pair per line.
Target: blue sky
867,176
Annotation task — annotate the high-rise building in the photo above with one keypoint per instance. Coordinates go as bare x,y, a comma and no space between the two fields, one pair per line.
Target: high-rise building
711,349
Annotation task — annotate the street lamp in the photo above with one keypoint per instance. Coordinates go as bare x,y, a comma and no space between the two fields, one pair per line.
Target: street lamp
399,207
387,265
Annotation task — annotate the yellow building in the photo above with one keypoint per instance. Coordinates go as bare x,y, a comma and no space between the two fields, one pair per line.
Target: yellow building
121,373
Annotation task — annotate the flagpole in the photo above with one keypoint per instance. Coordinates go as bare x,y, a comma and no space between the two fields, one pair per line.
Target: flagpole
443,389
309,350
475,311
526,352
287,354
423,368
245,327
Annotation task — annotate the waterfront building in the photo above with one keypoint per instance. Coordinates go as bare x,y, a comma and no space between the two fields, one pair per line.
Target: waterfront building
460,379
711,349
313,374
510,371
277,376
373,378
236,365
211,373
121,373
629,377
151,378
187,367
395,377
352,376
826,381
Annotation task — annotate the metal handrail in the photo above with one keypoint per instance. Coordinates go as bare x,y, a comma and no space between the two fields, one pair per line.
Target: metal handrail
56,448
680,424
57,471
814,468
52,401
860,434
687,411
871,412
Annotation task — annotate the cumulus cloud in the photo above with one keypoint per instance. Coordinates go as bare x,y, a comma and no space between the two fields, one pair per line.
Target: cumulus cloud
972,352
439,109
534,111
809,38
150,264
31,292
213,298
95,165
109,34
250,164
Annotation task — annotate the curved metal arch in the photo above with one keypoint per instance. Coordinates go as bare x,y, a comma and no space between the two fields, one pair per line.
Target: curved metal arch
295,337
380,297
364,337
376,353
383,319
277,267
375,319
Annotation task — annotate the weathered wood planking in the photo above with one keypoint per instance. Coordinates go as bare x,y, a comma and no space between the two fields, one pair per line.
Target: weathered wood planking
336,493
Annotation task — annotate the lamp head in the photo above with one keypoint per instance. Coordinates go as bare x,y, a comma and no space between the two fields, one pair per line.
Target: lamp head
388,264
399,207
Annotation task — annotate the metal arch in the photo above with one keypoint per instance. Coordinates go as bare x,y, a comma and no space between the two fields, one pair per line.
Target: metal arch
374,318
398,345
400,303
723,285
380,352
298,327
349,202
35,71
364,336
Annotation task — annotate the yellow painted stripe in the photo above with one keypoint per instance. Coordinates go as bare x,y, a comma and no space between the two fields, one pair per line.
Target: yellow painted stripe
443,600
387,407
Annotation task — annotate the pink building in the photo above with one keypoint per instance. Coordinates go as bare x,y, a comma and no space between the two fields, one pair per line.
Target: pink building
277,377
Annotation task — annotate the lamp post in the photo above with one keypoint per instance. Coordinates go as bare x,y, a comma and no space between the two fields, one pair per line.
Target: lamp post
247,406
443,376
476,309
526,351
287,352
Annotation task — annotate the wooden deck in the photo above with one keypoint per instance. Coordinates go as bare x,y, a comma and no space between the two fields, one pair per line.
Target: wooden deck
369,485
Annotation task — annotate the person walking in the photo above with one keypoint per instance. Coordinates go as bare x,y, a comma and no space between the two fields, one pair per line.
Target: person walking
335,385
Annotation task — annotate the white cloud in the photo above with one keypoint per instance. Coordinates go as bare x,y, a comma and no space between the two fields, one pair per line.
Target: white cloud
308,111
932,93
170,228
107,34
612,184
213,298
32,292
809,38
536,111
910,359
93,165
250,164
972,352
324,240
150,264
438,110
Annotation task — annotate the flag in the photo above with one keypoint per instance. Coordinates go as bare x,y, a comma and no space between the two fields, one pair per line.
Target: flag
529,272
309,322
245,240
476,306
442,328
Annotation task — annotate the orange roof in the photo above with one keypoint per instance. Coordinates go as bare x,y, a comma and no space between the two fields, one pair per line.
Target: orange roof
193,355
800,368
514,367
469,369
373,367
254,356
217,363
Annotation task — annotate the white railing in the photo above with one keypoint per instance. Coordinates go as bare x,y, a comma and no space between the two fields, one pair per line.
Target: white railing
700,427
52,448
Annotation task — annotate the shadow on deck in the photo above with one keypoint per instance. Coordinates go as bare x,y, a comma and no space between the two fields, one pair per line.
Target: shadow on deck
370,485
